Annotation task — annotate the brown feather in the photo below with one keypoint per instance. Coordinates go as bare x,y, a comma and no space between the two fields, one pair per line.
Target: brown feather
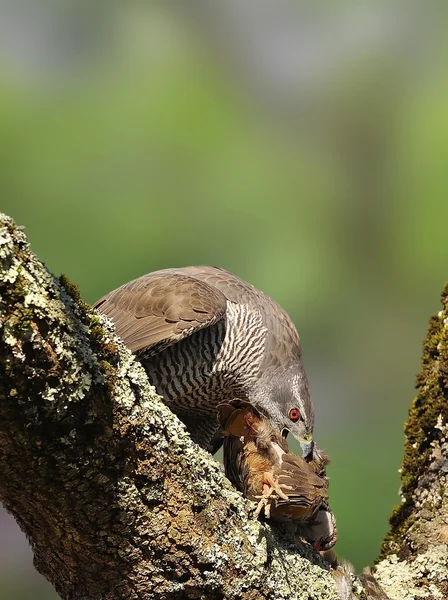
157,309
189,328
282,342
258,453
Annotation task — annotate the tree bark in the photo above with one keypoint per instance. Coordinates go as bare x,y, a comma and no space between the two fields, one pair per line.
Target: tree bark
414,557
118,503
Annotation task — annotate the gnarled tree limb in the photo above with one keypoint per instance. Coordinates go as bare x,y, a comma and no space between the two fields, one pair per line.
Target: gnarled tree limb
116,500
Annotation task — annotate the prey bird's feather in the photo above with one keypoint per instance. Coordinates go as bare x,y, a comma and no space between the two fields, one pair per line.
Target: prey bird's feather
258,462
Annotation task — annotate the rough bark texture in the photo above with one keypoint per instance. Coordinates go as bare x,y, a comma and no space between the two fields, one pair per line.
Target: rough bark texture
414,559
116,500
118,503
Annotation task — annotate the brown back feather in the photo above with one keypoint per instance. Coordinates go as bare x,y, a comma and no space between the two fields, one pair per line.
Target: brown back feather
162,308
157,309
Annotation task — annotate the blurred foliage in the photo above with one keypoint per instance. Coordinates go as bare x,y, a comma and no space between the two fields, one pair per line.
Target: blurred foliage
156,154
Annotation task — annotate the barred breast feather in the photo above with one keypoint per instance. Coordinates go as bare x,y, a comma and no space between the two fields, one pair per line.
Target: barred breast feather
203,336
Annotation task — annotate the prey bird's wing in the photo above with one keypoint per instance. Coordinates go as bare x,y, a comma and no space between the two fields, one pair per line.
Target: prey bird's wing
299,482
160,309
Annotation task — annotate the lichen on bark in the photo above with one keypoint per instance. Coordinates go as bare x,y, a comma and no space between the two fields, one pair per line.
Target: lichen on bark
116,500
118,503
413,562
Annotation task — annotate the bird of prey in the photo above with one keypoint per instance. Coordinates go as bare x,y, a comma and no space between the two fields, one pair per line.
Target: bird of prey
204,336
258,462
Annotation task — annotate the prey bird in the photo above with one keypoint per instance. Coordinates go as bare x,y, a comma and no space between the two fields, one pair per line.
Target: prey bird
289,489
205,336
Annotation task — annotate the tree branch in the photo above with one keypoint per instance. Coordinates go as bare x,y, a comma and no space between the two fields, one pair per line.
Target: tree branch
414,553
116,500
118,503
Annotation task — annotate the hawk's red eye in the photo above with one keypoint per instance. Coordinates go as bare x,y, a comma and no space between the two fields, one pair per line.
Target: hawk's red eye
294,414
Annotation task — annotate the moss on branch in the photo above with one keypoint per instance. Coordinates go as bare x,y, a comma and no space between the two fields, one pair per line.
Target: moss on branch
416,546
116,500
118,503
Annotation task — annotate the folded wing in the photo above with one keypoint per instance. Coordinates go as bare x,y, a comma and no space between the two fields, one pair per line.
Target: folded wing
158,310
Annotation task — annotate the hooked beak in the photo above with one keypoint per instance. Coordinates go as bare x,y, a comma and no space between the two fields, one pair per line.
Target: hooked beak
307,446
285,432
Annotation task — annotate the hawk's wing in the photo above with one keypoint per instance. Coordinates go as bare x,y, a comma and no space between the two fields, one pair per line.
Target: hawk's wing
160,309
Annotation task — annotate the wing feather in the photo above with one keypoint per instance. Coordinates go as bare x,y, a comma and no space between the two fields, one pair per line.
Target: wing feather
302,485
162,308
283,339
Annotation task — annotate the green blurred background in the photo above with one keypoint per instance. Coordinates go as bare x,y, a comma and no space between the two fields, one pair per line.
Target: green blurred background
302,146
